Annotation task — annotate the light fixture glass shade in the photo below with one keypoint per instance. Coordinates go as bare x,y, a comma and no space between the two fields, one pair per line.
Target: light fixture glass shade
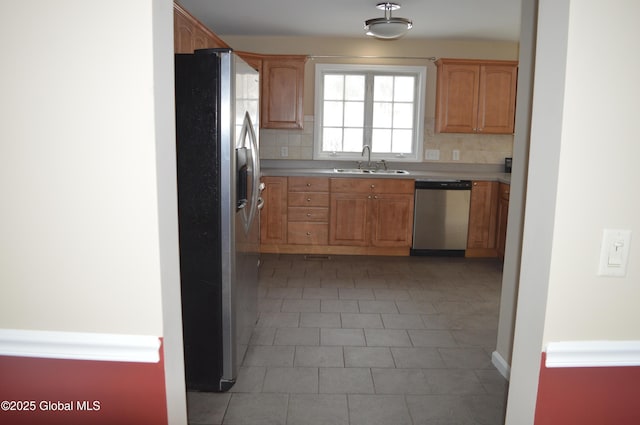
387,28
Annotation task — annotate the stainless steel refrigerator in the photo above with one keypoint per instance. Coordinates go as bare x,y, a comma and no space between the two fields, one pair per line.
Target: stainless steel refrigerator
218,167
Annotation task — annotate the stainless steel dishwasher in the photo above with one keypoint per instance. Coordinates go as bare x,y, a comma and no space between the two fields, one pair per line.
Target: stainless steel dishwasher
441,217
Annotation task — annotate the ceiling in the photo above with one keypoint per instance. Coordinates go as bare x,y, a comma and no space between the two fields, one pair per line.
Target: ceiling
497,20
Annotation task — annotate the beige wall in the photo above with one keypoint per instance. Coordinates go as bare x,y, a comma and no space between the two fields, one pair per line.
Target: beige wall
473,148
79,220
597,177
582,170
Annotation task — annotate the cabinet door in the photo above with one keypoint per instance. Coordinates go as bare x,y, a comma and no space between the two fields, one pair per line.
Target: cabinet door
282,92
457,98
482,217
348,219
182,33
273,217
391,218
496,110
503,211
189,34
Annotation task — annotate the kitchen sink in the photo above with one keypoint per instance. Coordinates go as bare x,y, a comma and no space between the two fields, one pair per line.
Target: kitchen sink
368,171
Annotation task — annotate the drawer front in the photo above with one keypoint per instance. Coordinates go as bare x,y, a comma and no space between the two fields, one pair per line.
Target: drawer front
301,233
308,199
308,214
308,184
350,185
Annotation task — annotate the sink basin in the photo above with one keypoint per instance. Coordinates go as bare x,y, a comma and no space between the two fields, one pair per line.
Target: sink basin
368,171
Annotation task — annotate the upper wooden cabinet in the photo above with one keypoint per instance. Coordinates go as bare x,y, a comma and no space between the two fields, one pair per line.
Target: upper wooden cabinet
282,91
281,76
189,34
476,96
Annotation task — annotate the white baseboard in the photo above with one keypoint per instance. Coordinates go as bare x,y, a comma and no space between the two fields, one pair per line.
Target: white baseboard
593,354
80,346
500,363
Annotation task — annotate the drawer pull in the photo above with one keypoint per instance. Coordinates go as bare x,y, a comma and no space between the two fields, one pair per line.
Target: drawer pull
308,184
308,199
375,197
308,233
308,214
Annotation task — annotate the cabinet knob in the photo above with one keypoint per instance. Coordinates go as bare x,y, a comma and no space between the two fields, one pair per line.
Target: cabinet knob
308,214
475,183
308,233
308,199
375,197
373,186
369,197
308,184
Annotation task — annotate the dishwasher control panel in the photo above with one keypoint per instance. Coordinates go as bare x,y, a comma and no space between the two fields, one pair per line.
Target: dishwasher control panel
444,184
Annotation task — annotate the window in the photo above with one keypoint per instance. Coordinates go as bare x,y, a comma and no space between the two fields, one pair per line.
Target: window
378,106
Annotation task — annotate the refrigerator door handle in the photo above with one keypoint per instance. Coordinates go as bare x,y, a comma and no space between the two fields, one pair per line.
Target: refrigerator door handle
255,194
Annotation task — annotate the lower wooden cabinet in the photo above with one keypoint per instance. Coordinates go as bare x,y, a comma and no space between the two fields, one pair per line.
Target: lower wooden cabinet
317,215
371,212
366,216
481,239
503,212
308,210
273,217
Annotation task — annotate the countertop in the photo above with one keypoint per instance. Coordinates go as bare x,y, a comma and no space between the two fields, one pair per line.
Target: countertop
417,171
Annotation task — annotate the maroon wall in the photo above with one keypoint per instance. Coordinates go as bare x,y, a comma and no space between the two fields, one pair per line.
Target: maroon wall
588,396
127,393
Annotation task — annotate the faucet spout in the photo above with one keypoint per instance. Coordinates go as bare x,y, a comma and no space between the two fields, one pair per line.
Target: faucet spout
368,149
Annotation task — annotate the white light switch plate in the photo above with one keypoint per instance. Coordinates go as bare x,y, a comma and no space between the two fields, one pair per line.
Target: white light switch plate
614,252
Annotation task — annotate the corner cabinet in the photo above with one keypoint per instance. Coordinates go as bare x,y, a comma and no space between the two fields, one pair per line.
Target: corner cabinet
481,237
282,91
476,96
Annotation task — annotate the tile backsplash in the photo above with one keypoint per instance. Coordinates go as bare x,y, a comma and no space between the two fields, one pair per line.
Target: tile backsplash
473,149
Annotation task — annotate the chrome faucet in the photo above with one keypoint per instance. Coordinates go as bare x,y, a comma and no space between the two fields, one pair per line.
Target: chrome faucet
368,149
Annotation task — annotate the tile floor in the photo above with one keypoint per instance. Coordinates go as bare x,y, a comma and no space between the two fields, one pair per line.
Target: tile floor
368,340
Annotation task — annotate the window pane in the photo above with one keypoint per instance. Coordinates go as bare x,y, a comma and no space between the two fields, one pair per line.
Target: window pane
354,114
355,85
332,139
402,115
333,87
402,141
333,114
404,89
381,140
353,139
382,114
383,88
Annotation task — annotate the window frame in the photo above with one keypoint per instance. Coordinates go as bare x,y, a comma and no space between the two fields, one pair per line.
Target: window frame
419,72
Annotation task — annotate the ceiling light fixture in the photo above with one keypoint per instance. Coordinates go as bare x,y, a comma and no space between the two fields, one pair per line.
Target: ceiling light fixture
388,27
